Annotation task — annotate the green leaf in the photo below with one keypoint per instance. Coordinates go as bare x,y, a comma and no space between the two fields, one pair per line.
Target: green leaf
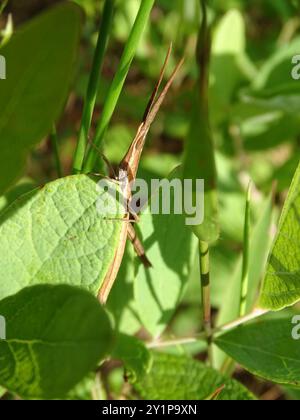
276,72
40,62
135,356
199,160
171,248
56,235
199,163
228,47
182,378
265,348
281,287
55,336
259,247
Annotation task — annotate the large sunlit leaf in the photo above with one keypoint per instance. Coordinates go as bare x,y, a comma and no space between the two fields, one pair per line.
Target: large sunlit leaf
55,336
281,287
55,234
40,63
182,378
266,349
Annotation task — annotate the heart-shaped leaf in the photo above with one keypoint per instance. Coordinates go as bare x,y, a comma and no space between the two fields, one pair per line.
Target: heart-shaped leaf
56,235
55,336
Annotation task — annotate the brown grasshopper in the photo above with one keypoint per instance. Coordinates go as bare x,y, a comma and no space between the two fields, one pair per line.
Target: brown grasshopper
127,172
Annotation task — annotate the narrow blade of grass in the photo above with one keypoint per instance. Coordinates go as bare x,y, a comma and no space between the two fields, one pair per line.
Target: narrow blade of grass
119,80
93,86
245,268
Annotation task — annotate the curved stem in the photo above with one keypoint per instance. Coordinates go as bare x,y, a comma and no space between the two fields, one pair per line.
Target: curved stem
257,313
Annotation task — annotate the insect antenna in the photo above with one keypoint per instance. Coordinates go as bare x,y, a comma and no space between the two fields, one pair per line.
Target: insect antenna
131,160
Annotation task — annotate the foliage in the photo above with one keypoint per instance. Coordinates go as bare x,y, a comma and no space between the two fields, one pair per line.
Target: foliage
81,72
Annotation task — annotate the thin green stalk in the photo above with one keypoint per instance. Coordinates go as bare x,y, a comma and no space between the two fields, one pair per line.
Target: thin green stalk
205,290
228,366
119,80
55,149
93,85
257,313
245,269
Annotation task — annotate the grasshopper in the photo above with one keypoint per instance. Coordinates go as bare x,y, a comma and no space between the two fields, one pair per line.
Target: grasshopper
127,172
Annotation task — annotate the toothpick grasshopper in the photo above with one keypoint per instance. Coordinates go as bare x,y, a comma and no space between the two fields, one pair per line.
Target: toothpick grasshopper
127,172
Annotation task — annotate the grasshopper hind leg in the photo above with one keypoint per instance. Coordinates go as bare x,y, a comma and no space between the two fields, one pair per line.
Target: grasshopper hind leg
138,247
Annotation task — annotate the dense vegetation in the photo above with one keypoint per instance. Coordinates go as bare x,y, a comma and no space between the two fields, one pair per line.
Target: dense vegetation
216,315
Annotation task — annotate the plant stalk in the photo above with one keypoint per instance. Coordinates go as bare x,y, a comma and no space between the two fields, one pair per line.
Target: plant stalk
257,313
245,269
93,86
205,291
119,80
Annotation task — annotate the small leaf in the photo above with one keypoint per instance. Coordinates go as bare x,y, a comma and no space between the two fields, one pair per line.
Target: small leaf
182,378
56,235
281,287
266,349
55,336
135,356
40,61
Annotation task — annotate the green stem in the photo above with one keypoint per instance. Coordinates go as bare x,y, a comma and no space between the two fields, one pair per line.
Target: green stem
55,149
205,290
257,313
245,269
93,85
119,80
